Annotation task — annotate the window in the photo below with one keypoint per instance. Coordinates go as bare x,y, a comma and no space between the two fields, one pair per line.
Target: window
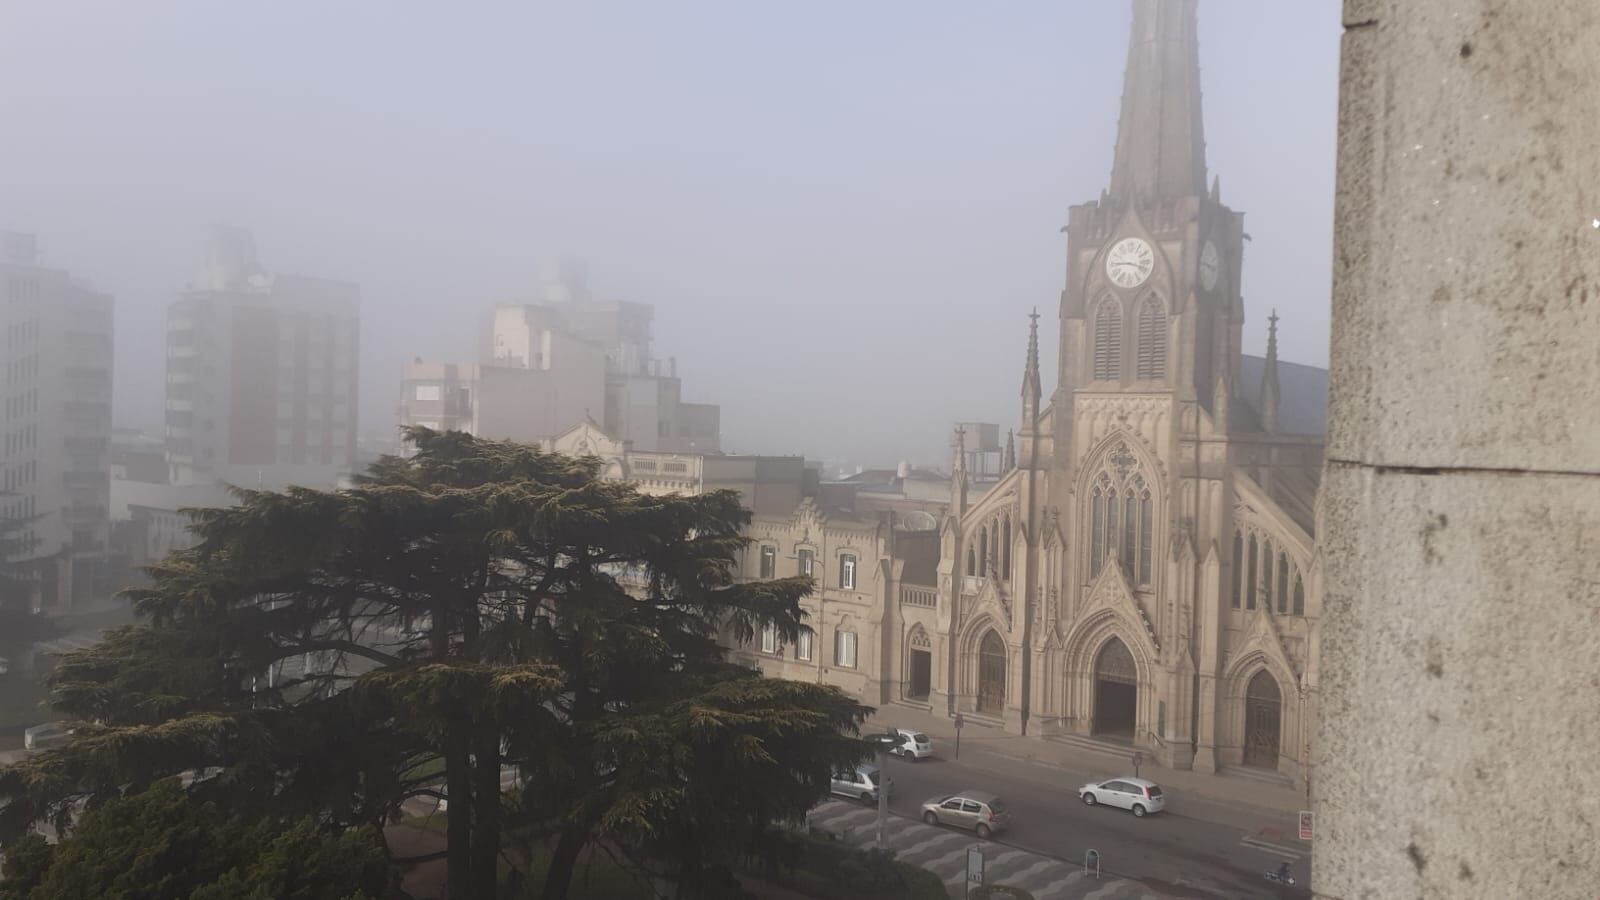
1145,561
769,638
1238,566
807,562
1097,540
1283,582
847,572
1152,340
802,644
1005,553
769,561
844,649
1266,575
1250,577
1299,597
1108,341
426,392
983,552
972,562
1130,522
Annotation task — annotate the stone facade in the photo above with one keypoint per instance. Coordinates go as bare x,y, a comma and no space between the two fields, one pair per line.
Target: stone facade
1144,572
1462,506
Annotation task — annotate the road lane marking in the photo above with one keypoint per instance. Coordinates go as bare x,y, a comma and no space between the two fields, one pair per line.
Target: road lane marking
1057,886
991,866
1034,871
925,842
1290,853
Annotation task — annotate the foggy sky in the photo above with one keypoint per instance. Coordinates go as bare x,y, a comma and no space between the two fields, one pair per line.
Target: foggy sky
841,212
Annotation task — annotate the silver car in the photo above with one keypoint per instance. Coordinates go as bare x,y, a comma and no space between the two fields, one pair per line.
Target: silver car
861,781
1140,795
981,811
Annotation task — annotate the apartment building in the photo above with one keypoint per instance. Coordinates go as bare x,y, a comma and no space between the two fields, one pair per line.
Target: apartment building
261,373
55,466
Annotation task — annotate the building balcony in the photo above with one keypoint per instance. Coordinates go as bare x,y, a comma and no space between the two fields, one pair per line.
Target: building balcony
917,595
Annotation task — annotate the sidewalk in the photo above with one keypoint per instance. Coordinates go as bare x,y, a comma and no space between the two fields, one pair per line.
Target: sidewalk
1247,795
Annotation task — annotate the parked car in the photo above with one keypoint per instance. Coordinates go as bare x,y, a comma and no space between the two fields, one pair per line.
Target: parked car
913,745
861,781
1137,794
980,811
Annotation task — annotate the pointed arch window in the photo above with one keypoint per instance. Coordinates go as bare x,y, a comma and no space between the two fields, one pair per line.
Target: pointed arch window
1250,577
1266,575
1145,533
983,552
1097,531
1283,582
1005,552
1238,566
972,562
1152,340
1130,524
1112,503
1122,525
1299,597
1108,341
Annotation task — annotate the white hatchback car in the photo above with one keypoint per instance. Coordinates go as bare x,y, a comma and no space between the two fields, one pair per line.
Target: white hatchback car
1137,794
912,745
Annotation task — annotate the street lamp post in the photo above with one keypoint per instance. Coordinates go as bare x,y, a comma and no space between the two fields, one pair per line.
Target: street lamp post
882,743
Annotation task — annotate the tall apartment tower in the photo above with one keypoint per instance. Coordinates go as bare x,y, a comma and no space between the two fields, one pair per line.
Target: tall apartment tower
55,468
261,373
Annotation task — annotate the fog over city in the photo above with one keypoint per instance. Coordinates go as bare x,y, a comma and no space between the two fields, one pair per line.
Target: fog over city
842,213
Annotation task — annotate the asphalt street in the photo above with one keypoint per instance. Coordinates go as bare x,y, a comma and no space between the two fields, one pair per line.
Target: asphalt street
1196,848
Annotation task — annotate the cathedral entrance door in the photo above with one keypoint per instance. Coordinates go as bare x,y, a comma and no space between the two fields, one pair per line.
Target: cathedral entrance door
1116,691
992,674
921,674
1262,706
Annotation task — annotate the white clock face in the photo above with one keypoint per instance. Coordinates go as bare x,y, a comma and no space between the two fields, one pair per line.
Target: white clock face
1129,263
1209,266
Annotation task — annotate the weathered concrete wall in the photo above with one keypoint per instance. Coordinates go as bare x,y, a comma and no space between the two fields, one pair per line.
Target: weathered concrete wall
1461,653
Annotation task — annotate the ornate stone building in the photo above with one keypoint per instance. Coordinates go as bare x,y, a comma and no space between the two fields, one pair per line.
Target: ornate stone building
1147,573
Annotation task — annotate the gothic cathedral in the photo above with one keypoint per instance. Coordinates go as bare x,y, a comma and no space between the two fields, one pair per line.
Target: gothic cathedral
1145,575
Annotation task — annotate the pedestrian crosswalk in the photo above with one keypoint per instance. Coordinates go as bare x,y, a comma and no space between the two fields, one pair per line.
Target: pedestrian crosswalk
944,853
1292,854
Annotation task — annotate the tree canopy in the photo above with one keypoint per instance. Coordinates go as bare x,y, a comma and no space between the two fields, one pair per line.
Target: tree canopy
477,608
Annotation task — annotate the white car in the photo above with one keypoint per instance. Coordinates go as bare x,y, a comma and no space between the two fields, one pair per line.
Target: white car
912,745
1137,794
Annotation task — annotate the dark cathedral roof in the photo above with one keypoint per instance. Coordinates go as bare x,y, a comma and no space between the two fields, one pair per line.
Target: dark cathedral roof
1302,392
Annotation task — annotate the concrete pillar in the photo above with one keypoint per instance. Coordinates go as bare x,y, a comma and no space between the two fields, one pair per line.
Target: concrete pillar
1460,720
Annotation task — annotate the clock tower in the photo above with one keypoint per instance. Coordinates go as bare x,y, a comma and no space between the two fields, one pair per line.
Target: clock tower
1151,301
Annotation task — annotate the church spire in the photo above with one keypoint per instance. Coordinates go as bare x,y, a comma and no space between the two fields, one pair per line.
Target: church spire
1030,375
1269,378
958,473
1160,142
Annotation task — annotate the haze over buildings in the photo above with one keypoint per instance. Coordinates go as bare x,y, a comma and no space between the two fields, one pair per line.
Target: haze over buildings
881,220
54,468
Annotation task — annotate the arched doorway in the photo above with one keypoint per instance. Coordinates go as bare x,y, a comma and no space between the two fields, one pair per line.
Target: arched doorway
992,674
1263,705
1116,691
920,659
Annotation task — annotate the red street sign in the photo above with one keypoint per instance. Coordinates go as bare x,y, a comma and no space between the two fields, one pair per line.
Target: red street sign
1305,825
959,721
